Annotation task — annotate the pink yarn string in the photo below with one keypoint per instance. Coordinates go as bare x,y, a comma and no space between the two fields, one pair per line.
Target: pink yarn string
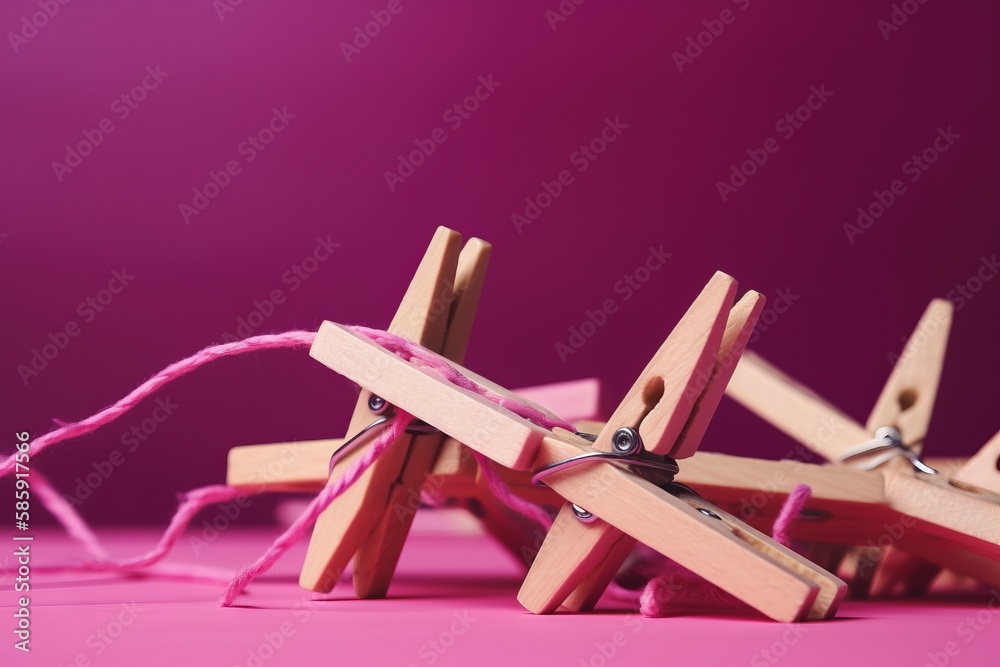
410,351
502,491
675,587
174,571
790,511
672,587
74,524
330,492
194,501
290,339
78,529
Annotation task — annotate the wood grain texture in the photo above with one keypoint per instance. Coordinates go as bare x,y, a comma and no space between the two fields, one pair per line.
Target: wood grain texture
579,560
983,469
360,512
907,399
661,400
377,555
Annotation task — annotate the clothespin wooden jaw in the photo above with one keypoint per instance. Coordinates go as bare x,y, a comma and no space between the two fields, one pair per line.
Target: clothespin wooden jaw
954,521
695,363
749,565
907,399
904,405
983,469
437,312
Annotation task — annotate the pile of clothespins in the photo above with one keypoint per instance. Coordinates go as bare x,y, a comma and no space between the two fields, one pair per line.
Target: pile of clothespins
876,514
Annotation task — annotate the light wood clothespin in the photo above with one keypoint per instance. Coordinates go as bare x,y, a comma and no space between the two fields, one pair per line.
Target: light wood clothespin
983,468
456,477
950,521
438,306
665,413
437,311
303,466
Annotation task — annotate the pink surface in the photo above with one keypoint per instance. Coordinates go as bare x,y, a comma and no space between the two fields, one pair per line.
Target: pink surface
453,590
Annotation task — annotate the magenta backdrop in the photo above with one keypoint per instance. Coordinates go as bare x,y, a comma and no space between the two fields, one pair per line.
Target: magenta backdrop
199,81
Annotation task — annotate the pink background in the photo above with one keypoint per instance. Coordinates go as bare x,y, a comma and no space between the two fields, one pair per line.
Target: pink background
323,176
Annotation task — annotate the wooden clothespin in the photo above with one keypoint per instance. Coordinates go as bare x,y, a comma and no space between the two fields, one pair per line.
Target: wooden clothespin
666,412
982,470
950,522
304,467
437,311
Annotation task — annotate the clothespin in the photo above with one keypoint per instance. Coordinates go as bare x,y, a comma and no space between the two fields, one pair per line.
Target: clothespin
456,477
982,469
437,311
666,412
950,522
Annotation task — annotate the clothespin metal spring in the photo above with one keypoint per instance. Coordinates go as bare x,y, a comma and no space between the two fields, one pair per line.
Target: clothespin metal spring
628,448
379,406
888,441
